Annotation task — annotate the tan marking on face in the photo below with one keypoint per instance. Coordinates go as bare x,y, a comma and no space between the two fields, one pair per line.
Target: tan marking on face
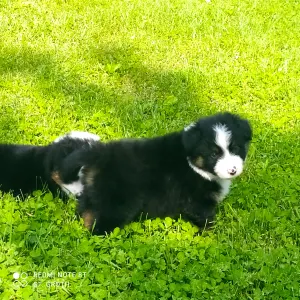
89,176
88,219
55,176
199,162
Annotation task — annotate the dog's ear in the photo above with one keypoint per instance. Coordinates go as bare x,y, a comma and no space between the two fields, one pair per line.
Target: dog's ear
243,125
191,136
246,129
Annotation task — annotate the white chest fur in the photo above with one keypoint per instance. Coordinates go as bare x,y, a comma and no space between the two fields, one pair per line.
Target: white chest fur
225,187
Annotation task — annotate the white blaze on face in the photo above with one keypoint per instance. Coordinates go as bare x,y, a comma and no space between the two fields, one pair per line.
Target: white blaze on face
76,187
80,135
229,165
83,135
187,128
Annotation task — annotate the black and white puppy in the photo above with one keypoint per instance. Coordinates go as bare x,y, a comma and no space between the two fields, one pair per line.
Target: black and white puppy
26,168
182,173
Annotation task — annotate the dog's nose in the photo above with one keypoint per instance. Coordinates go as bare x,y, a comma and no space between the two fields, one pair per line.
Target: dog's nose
232,171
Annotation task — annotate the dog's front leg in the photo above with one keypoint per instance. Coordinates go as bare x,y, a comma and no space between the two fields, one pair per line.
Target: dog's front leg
200,216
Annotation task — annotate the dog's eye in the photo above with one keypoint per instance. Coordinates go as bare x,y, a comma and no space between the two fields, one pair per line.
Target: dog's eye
214,154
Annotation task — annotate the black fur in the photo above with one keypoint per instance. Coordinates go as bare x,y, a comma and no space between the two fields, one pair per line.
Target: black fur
22,169
126,178
26,168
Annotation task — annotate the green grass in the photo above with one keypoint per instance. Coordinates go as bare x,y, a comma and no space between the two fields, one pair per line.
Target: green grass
142,68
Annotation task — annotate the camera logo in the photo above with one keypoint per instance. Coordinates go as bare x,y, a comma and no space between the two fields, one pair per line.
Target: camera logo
20,279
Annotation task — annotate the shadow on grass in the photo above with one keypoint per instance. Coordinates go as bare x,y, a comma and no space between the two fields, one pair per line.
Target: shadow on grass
141,97
9,123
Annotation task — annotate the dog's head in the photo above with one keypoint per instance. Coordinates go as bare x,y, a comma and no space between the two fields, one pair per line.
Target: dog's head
216,146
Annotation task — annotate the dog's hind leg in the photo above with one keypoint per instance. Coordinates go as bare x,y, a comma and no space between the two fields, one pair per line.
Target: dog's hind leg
99,219
101,224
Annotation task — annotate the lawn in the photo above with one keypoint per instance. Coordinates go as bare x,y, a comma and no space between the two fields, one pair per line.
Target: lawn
140,68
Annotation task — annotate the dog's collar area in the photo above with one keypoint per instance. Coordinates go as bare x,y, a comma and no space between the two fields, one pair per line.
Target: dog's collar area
204,174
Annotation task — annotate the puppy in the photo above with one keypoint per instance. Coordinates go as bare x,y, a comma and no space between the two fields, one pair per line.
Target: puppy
26,168
182,173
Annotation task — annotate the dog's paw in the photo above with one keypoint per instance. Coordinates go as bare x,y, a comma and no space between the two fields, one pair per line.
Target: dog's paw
88,219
